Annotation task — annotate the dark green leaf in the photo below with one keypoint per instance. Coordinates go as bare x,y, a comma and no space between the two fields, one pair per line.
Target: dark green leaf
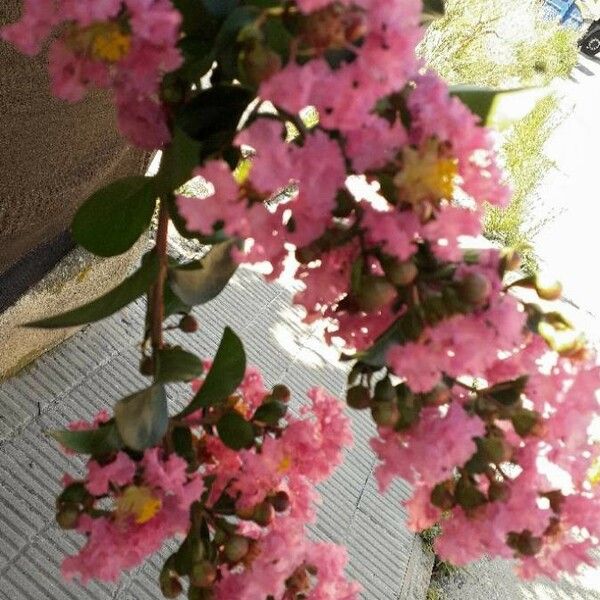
183,444
479,100
508,392
220,8
103,440
214,111
234,431
175,364
524,421
467,495
203,280
113,218
270,412
177,162
133,287
225,375
142,418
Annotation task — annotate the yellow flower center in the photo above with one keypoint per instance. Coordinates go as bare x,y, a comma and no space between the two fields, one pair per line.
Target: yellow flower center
594,473
108,42
138,502
425,175
284,464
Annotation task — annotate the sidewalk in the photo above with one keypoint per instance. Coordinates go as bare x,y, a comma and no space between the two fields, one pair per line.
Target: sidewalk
98,366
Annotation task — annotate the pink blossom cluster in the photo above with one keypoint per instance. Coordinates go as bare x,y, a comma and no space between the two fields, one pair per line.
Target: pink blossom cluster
483,417
123,45
128,506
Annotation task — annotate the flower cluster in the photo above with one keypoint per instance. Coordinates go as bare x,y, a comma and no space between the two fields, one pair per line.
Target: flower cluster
473,406
483,401
126,46
242,511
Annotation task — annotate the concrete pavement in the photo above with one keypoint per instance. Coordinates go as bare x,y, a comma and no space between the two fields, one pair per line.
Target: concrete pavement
97,366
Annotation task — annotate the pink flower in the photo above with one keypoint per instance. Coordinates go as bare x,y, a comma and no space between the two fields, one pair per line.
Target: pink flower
119,472
396,232
414,362
219,207
421,513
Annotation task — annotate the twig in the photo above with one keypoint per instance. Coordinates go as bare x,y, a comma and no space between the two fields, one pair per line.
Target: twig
158,308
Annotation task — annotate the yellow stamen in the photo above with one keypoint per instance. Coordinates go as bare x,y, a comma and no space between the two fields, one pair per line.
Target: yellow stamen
284,464
138,502
109,43
425,175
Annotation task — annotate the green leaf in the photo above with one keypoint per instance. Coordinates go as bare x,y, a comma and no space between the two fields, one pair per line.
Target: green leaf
173,303
235,432
142,418
112,219
214,111
270,412
225,375
524,421
176,364
133,287
508,392
102,440
220,8
177,162
201,281
183,444
432,10
479,100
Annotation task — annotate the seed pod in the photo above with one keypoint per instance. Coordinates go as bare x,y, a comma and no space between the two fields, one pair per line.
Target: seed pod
547,288
67,517
358,397
236,548
375,293
385,391
281,392
263,513
280,502
188,324
385,414
203,574
401,273
474,289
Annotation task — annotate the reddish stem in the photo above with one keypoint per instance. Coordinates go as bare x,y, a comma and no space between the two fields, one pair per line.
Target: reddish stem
158,308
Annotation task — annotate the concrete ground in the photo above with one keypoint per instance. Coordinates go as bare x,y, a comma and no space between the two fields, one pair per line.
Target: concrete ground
97,366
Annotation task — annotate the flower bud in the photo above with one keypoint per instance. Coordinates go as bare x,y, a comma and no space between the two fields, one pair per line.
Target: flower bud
203,574
198,593
263,514
358,397
281,392
188,324
401,273
442,497
375,293
170,587
147,366
385,414
307,254
498,492
245,512
438,396
236,548
547,288
474,289
67,517
385,391
280,501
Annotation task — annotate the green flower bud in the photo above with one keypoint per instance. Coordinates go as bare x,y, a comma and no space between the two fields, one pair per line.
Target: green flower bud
67,517
203,574
401,273
236,548
375,293
385,414
474,289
